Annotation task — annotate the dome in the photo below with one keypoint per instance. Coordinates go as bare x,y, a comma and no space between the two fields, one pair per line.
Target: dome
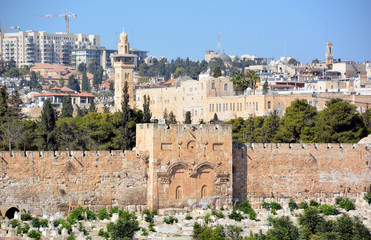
123,36
225,58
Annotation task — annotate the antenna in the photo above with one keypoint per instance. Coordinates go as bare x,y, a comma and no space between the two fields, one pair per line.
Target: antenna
218,42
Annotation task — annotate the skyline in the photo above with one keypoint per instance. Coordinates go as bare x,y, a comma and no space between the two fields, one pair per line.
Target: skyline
188,29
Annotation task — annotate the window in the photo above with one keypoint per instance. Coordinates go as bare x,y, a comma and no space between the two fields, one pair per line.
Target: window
241,107
220,107
233,107
204,192
225,87
178,193
226,106
223,107
210,107
269,104
213,85
216,107
238,107
257,107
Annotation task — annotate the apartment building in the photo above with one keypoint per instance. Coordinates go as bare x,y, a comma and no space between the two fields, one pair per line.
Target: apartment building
31,47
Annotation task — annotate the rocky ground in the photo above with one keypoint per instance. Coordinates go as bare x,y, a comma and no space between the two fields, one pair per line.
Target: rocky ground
180,230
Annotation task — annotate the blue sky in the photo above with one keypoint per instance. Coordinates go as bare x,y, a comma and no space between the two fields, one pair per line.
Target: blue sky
187,28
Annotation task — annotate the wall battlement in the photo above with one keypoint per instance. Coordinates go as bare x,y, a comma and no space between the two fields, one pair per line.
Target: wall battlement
182,165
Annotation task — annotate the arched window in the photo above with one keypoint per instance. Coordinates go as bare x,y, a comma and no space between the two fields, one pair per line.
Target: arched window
212,85
204,192
179,193
225,86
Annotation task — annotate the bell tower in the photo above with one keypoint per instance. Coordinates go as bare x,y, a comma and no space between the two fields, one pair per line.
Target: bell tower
124,69
329,56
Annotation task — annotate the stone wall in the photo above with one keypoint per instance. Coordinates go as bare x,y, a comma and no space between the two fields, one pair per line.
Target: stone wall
189,165
60,181
302,171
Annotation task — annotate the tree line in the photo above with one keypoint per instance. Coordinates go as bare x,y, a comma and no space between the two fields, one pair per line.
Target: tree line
339,122
54,130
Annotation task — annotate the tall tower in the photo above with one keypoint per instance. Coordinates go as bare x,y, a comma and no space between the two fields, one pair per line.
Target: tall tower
124,68
329,56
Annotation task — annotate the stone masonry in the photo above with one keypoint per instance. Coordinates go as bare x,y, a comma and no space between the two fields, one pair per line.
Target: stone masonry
181,166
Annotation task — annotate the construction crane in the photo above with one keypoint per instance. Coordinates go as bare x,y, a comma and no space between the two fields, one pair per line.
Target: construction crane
13,27
67,15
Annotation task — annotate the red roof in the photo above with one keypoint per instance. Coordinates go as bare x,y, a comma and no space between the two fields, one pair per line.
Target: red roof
84,94
45,86
171,81
66,89
56,88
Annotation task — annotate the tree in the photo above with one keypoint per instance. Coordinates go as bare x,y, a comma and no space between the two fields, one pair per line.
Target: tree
339,122
311,219
82,67
73,83
265,87
172,118
367,120
61,82
217,72
297,123
270,127
3,104
125,107
215,119
253,79
15,105
47,127
106,109
85,84
283,228
92,107
188,118
315,60
125,227
67,108
293,61
240,82
166,116
81,111
146,111
33,80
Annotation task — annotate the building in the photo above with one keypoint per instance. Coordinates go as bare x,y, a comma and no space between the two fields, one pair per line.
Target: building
211,55
329,56
141,56
124,69
57,94
32,47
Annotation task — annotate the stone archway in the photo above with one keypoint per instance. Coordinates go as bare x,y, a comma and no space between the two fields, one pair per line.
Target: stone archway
10,212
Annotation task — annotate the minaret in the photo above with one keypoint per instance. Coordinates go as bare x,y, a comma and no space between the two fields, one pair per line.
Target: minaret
329,56
124,65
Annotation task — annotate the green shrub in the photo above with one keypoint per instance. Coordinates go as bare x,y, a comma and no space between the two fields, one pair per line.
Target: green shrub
36,222
218,214
188,217
103,214
246,208
25,217
345,203
103,234
24,229
125,227
90,215
114,210
144,232
72,237
367,197
64,224
303,205
75,215
235,215
170,220
273,206
14,223
349,205
207,218
313,203
34,234
292,204
151,229
328,210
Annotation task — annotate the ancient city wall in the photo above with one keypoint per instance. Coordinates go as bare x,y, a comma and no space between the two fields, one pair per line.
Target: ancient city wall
302,171
60,181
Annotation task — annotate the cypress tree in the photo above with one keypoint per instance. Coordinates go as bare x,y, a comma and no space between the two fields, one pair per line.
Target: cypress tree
67,108
172,118
47,127
125,104
106,109
73,83
265,87
188,119
270,127
165,116
146,111
85,84
92,107
3,104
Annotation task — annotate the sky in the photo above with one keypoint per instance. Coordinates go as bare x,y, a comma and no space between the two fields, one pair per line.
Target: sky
187,28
